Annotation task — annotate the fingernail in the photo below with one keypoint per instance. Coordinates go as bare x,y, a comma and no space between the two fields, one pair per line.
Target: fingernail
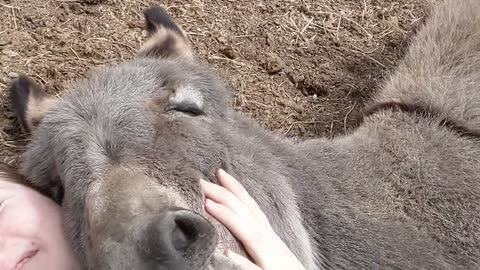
205,183
221,172
208,203
232,255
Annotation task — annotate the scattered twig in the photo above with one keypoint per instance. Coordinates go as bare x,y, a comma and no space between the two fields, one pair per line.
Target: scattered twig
74,52
8,6
300,122
14,18
346,116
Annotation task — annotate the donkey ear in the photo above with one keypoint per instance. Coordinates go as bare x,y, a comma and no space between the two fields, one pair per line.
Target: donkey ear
29,102
166,38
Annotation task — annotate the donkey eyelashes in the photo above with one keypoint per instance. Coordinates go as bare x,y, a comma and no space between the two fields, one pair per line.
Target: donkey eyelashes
186,100
188,108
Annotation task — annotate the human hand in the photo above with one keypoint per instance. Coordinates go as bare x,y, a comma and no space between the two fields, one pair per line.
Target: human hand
231,205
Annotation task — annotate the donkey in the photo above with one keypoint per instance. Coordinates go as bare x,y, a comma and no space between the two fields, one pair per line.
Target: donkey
123,152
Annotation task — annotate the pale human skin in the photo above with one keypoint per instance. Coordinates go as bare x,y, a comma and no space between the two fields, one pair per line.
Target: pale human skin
231,204
32,233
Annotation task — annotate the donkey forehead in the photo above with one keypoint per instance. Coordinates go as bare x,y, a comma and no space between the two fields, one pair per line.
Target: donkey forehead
112,110
187,81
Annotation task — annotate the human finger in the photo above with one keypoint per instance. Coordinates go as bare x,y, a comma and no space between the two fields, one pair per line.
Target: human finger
255,239
222,196
244,263
231,184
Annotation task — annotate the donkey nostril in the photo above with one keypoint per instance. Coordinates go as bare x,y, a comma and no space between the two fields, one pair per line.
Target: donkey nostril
190,231
184,233
178,237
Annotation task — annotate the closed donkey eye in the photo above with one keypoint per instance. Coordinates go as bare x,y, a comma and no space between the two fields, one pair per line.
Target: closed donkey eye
188,108
186,99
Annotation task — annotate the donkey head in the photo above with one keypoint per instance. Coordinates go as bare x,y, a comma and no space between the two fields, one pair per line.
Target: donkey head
124,150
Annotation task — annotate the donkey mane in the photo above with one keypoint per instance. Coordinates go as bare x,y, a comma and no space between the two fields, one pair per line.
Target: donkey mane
421,110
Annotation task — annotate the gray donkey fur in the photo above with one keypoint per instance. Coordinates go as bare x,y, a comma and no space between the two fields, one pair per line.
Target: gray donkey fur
401,192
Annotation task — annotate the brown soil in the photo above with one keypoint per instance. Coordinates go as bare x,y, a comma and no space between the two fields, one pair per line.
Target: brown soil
301,68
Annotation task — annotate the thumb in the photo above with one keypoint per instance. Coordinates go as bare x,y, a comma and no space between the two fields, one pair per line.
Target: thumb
244,263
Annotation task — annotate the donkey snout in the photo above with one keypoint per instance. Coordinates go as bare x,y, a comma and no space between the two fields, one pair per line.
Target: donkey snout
179,239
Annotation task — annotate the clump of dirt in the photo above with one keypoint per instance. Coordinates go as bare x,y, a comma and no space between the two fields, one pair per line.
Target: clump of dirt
274,64
300,68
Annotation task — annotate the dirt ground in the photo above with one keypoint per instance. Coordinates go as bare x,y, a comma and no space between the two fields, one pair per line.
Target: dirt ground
301,68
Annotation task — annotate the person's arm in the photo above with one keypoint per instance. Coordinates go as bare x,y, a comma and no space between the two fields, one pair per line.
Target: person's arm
231,205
